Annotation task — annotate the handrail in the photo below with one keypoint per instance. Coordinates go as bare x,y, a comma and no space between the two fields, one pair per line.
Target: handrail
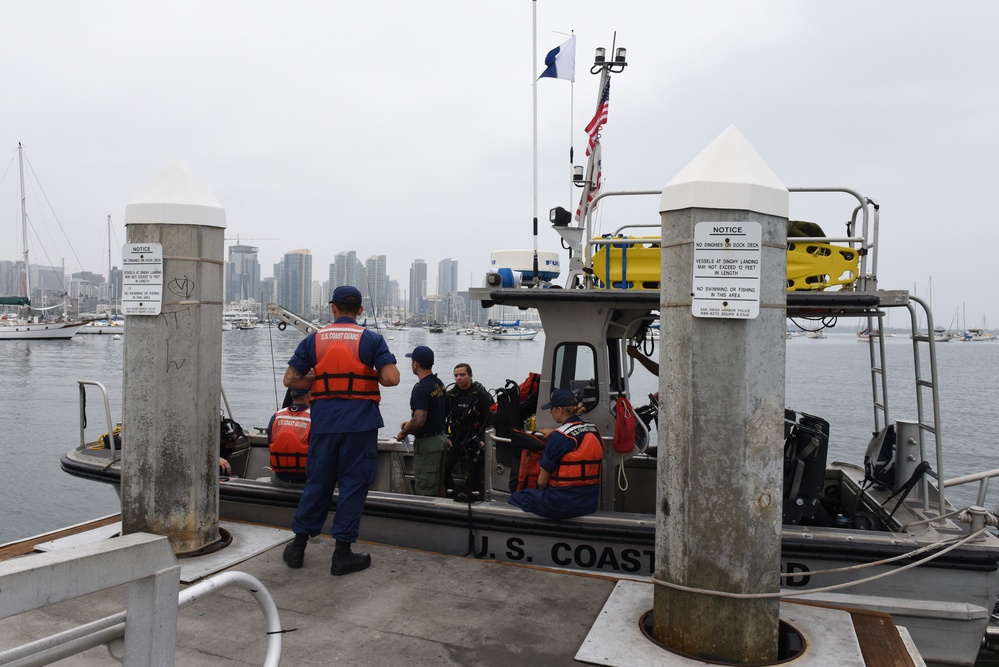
107,412
983,483
91,635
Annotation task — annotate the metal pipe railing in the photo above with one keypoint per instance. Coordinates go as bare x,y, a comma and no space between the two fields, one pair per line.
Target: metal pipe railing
107,412
91,635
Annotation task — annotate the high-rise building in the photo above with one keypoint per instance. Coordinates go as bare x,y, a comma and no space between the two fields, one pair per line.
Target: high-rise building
447,277
242,274
294,281
268,290
10,277
343,271
418,287
318,303
376,281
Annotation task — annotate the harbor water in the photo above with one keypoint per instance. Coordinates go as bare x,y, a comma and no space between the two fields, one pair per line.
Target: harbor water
825,377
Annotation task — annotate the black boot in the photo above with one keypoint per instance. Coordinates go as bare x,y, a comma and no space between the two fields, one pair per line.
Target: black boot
345,562
294,553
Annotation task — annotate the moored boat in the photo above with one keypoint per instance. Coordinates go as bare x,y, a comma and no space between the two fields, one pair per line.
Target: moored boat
103,327
16,324
513,333
850,535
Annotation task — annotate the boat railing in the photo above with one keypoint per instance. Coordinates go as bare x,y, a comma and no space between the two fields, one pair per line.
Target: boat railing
115,451
924,435
861,236
983,479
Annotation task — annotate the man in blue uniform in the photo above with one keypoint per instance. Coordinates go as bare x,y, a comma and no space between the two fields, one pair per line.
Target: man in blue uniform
342,365
428,404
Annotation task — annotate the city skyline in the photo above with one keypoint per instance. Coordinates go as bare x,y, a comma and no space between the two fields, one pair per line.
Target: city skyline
292,284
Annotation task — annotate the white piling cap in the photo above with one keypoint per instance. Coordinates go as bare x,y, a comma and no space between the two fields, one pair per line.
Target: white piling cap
175,197
728,174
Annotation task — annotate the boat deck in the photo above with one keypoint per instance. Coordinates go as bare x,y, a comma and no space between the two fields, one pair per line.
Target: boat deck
430,608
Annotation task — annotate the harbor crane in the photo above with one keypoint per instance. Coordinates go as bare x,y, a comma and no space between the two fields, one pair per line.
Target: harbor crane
251,238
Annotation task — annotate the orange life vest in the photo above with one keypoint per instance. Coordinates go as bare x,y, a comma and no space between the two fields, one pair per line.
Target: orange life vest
340,373
581,465
290,440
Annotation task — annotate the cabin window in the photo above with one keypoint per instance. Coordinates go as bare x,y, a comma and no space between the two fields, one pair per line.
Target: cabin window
576,369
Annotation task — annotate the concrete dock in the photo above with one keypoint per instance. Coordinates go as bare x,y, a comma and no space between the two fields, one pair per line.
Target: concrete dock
409,606
412,607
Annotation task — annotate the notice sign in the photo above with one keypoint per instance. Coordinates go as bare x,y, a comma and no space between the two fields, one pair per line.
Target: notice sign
142,278
726,280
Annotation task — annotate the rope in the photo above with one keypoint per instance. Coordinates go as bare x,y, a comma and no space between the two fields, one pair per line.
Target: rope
270,340
825,589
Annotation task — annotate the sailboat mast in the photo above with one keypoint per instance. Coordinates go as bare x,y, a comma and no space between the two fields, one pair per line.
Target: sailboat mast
24,221
110,282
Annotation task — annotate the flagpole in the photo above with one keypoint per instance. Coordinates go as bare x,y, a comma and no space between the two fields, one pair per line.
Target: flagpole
534,90
572,110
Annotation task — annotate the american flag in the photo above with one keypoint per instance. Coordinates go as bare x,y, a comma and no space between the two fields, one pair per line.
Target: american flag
594,177
599,118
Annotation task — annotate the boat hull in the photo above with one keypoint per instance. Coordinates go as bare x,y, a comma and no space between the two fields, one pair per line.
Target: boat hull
43,331
945,602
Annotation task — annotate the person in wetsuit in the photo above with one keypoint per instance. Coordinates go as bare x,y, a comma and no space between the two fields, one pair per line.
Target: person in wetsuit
468,415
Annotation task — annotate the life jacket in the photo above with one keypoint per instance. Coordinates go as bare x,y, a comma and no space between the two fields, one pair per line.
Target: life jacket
340,373
581,465
290,440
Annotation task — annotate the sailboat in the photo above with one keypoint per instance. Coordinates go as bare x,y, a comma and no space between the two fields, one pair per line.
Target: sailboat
17,325
112,322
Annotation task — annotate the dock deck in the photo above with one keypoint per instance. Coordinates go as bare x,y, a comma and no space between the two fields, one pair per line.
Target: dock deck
410,607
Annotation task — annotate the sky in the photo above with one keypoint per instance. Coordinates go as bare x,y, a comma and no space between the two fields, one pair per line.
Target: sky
405,129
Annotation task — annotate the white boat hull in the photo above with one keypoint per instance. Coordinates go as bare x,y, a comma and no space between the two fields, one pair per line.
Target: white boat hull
43,331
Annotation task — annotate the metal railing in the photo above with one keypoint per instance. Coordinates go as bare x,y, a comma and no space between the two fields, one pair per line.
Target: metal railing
148,564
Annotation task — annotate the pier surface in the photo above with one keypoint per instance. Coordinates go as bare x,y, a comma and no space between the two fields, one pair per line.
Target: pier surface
413,607
409,607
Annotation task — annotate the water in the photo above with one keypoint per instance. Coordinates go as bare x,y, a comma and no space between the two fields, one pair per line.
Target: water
828,378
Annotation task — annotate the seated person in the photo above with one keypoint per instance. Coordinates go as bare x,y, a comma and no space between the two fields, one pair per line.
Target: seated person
569,479
288,438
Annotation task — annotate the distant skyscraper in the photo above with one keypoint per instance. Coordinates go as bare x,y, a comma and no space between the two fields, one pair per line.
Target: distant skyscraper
377,282
447,277
317,297
294,280
242,274
268,290
344,271
10,273
418,287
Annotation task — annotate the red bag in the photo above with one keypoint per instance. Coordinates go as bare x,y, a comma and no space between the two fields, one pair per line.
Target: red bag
624,427
530,468
532,385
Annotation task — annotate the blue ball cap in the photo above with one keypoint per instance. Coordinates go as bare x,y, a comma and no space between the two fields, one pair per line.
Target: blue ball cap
422,355
346,294
561,398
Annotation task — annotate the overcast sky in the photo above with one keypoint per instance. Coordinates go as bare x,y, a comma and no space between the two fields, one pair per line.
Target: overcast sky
404,128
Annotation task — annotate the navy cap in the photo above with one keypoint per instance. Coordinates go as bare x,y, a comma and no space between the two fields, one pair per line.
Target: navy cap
422,355
346,294
561,398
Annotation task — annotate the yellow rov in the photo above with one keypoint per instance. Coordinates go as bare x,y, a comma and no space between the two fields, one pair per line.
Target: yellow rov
634,263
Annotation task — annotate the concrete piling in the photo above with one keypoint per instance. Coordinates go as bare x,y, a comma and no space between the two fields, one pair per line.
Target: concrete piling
173,367
718,514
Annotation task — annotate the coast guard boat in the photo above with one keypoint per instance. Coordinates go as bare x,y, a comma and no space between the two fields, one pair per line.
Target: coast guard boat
877,532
